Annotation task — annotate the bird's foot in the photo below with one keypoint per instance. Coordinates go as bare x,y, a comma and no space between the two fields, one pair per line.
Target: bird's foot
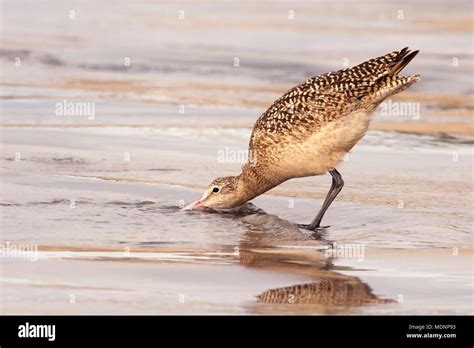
318,231
313,228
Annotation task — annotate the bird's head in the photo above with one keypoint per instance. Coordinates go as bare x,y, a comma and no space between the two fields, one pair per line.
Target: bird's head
222,193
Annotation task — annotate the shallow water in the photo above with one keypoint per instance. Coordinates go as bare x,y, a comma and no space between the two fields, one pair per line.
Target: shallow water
76,203
100,195
104,195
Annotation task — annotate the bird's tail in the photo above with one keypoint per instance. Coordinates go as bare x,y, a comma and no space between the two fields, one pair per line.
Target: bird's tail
390,83
401,60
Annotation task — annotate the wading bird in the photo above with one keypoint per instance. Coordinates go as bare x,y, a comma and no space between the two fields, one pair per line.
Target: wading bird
309,129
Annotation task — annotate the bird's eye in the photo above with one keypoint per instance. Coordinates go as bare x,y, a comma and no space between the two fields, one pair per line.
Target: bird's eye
215,189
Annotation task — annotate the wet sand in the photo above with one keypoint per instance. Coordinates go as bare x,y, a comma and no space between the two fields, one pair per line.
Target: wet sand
100,196
131,227
68,280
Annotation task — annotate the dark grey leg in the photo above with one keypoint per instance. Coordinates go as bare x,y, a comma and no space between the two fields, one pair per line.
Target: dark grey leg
336,187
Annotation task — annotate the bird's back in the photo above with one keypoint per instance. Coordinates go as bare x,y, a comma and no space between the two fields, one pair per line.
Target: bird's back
330,110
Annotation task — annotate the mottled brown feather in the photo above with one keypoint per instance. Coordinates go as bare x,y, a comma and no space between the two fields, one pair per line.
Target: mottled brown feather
323,98
309,129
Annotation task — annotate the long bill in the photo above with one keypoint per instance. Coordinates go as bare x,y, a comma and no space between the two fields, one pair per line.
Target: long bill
194,205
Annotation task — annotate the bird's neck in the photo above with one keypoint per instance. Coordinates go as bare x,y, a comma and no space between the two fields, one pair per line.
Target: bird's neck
252,182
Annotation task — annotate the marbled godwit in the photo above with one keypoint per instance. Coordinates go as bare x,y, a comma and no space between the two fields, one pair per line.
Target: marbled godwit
309,129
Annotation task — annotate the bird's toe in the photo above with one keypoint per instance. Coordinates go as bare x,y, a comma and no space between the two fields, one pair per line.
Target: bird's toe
305,226
313,228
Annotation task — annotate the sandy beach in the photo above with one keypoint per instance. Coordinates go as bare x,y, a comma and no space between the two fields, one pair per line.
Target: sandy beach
169,105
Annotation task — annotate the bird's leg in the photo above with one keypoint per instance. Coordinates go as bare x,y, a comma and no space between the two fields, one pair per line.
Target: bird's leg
336,187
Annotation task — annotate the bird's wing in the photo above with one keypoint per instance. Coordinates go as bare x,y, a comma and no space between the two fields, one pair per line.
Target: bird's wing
326,97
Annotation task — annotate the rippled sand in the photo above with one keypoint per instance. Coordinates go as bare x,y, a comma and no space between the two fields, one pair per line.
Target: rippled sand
100,196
